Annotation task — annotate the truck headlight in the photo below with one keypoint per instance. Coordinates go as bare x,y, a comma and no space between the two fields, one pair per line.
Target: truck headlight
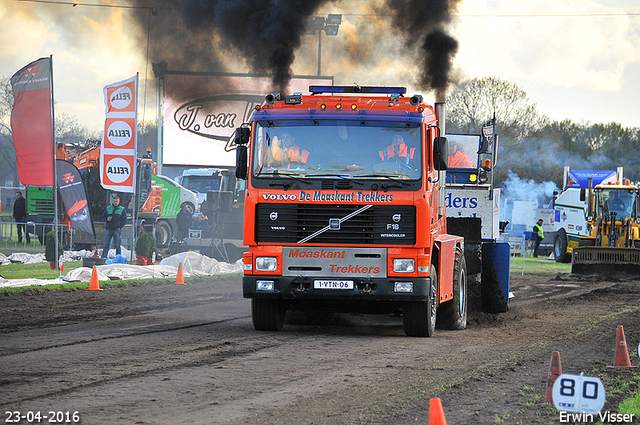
264,285
406,287
404,265
266,264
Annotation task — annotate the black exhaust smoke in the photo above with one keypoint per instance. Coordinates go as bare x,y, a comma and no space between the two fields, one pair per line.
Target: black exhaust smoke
163,35
439,49
266,32
189,34
422,23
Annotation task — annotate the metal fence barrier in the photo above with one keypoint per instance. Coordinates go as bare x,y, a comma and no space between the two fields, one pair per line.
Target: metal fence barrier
37,233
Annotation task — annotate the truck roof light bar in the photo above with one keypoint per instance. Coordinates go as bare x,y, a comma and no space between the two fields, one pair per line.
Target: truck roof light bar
357,89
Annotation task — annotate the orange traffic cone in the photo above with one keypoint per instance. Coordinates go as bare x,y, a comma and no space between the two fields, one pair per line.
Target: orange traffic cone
180,276
555,370
436,414
622,353
94,285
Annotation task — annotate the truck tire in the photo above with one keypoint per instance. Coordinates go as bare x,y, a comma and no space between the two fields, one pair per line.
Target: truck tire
560,247
268,315
419,317
190,207
453,313
164,233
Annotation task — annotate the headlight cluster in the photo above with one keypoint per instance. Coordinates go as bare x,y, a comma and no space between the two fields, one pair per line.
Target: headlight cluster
404,265
266,264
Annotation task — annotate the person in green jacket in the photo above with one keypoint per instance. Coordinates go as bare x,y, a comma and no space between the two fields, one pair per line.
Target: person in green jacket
539,234
115,217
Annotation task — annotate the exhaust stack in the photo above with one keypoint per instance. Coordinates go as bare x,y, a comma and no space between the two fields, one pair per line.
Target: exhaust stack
440,107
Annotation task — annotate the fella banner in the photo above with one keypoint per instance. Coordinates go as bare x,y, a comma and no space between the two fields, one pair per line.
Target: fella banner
120,137
74,196
32,122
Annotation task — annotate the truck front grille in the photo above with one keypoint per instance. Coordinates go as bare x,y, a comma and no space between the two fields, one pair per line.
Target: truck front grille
336,224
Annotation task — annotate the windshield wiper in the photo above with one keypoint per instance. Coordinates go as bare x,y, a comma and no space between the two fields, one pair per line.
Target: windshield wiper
384,176
339,176
290,175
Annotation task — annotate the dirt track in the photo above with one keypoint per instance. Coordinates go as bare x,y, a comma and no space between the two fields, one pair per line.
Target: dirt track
163,353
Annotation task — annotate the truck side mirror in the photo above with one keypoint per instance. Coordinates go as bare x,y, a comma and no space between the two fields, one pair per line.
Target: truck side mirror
440,153
242,136
241,162
583,194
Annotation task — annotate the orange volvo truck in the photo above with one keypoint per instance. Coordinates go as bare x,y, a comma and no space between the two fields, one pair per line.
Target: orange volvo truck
344,209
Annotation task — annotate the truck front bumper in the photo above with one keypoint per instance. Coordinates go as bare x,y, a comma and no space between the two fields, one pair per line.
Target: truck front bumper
303,288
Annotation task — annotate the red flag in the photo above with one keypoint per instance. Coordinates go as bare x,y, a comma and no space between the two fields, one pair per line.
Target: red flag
32,122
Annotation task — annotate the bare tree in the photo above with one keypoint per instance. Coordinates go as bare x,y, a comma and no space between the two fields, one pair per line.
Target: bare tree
6,99
474,102
7,150
68,129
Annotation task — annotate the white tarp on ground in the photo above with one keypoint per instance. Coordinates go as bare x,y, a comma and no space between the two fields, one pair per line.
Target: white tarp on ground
201,265
193,264
66,256
21,257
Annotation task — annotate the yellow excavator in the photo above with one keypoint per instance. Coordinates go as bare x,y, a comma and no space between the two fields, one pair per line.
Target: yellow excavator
613,222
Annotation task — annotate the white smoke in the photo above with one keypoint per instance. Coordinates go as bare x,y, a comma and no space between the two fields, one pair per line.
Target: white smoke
515,189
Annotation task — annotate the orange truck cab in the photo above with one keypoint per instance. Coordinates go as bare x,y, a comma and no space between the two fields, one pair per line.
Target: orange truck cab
344,209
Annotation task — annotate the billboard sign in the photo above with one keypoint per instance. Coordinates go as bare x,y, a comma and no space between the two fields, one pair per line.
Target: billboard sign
202,111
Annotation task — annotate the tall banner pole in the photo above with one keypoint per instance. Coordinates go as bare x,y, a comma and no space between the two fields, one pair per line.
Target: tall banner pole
118,153
137,182
55,173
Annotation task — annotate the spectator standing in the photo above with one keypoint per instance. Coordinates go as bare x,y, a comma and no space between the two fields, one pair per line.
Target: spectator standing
184,220
20,216
539,234
115,217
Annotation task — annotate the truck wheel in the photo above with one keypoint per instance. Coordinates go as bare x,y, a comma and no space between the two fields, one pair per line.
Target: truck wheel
419,317
163,233
268,315
454,312
190,207
560,247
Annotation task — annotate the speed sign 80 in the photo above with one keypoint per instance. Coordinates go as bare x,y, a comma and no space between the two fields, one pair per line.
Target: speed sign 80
578,393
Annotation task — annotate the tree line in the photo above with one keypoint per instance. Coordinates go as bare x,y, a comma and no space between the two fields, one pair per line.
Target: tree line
531,145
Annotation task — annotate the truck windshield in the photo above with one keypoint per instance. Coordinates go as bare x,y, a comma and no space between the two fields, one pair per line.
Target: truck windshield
307,149
621,201
201,184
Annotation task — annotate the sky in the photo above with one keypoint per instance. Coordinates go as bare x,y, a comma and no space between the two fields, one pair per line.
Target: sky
575,59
